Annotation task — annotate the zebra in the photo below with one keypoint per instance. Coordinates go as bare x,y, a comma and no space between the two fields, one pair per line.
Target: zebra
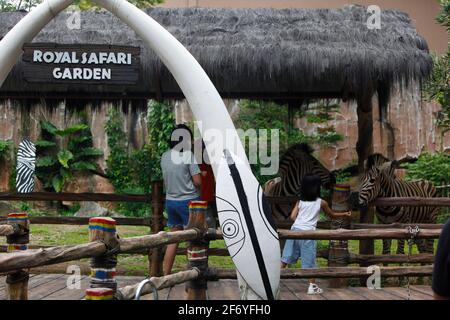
26,160
379,180
295,163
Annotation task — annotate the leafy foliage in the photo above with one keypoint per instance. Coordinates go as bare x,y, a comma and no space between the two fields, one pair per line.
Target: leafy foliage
5,146
432,167
62,152
12,5
133,171
444,16
161,122
87,4
7,6
343,176
272,116
438,87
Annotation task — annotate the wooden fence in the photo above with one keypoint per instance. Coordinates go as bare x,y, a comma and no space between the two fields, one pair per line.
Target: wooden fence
104,244
14,263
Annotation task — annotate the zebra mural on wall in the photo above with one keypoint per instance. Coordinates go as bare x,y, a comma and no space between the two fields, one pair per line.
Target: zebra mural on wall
26,162
295,163
379,180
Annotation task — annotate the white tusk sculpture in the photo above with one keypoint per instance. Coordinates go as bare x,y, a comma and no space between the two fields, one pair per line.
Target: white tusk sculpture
244,216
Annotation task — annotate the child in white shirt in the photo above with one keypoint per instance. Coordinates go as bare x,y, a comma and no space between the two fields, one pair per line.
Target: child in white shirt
305,216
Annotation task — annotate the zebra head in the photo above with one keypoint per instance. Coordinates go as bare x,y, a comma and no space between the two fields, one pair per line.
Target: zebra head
373,180
306,163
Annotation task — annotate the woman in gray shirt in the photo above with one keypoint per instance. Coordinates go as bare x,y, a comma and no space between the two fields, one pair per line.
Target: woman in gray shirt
182,182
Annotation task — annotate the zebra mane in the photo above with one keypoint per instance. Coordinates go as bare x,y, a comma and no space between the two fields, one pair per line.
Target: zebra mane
375,160
304,147
293,151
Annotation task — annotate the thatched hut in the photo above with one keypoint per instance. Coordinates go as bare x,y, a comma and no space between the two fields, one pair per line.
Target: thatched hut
285,55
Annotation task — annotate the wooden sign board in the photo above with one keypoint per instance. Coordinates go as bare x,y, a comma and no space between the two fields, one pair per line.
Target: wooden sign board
81,64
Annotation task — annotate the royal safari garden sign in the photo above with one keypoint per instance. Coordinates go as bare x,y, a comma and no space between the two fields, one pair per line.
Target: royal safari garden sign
81,64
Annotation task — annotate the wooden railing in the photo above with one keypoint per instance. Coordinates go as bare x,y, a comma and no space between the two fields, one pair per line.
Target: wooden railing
97,248
13,262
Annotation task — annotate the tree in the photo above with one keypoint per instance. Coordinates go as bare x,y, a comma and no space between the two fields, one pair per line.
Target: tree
6,5
272,116
437,88
27,5
15,5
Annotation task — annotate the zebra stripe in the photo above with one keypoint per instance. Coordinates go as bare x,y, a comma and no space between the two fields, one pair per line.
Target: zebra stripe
26,161
295,163
380,181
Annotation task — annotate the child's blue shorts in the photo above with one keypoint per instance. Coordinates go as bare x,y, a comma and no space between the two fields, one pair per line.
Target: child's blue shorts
304,249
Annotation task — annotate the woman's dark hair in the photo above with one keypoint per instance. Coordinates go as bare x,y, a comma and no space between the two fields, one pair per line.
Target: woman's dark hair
178,134
310,187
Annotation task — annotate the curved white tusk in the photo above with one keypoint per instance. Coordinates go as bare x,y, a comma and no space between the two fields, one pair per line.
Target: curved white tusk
205,101
24,31
203,98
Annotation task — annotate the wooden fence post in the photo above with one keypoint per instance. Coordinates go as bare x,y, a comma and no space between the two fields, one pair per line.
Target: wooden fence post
103,283
338,254
156,254
17,282
197,252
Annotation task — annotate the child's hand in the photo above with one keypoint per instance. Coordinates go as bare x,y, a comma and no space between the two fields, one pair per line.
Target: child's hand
348,214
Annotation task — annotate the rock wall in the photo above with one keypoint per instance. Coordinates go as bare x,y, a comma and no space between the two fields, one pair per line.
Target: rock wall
20,118
407,129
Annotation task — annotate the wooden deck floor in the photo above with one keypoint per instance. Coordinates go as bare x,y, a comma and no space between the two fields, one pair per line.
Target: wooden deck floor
54,287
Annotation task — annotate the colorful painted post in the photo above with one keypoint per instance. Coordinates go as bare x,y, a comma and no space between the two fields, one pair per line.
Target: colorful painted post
338,253
103,283
197,252
99,294
17,282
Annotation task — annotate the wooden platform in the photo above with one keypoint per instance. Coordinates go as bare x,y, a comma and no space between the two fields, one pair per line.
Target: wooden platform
54,287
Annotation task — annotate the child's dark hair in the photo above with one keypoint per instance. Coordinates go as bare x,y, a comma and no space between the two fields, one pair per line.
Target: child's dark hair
311,185
175,140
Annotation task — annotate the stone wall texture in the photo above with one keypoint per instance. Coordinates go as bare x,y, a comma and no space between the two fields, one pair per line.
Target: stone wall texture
407,129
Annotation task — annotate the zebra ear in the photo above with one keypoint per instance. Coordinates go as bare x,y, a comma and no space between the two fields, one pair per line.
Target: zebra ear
395,164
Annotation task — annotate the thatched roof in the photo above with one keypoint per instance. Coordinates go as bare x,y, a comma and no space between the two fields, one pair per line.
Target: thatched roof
257,52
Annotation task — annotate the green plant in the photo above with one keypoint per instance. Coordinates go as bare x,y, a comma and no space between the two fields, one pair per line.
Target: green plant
434,168
438,87
12,178
342,176
62,152
118,162
161,122
87,4
5,146
132,171
24,206
431,167
11,5
272,116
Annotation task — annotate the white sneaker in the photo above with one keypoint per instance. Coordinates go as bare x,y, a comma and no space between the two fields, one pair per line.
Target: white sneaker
314,289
